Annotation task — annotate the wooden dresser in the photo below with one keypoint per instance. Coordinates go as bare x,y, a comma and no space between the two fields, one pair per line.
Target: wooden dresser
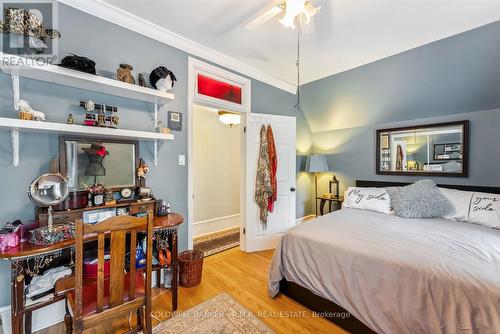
20,257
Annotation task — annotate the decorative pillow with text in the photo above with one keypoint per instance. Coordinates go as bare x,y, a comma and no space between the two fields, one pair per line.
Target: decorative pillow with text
484,210
474,207
373,199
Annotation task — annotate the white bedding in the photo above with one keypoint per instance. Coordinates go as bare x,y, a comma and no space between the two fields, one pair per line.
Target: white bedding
397,275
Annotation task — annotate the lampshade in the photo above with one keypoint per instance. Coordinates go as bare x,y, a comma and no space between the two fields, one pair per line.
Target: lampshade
229,118
316,164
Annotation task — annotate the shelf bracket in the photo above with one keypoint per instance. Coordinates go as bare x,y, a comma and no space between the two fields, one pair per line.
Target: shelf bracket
15,88
156,117
14,137
155,152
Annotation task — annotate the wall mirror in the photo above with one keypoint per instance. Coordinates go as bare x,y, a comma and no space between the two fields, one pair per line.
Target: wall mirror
433,149
109,162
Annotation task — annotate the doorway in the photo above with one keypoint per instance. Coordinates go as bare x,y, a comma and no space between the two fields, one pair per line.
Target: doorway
210,90
216,165
220,90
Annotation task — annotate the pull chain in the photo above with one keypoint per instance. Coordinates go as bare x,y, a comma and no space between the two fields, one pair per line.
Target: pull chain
298,107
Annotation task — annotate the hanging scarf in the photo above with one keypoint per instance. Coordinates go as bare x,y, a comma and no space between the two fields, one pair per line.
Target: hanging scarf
263,188
273,167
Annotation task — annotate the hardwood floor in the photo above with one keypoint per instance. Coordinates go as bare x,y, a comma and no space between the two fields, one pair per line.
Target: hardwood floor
244,277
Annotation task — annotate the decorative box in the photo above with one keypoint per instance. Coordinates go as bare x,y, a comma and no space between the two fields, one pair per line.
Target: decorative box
11,234
44,236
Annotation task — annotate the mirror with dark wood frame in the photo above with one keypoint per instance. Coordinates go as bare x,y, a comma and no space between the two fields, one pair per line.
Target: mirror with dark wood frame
433,149
115,167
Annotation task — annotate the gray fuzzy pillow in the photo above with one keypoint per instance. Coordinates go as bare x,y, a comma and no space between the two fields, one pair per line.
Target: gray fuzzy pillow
421,199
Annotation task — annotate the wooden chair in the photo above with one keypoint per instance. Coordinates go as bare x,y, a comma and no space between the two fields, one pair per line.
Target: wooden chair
94,301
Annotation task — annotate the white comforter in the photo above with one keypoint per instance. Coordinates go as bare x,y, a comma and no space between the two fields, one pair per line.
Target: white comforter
397,275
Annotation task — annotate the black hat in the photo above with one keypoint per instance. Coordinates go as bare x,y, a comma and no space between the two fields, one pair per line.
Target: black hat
161,72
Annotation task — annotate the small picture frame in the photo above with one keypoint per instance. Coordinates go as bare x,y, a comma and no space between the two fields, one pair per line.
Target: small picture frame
175,121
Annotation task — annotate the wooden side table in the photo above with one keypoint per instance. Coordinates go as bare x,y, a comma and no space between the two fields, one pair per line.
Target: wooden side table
323,200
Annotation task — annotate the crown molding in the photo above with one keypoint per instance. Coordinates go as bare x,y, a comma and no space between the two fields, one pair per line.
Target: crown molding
139,25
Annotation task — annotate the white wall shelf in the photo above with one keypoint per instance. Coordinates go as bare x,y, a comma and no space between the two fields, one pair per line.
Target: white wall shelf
16,125
82,130
67,77
28,68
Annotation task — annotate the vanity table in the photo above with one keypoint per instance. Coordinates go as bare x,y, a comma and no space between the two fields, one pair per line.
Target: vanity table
20,255
117,169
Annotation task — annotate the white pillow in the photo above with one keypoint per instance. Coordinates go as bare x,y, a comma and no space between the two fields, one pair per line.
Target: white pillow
472,207
461,201
374,199
485,210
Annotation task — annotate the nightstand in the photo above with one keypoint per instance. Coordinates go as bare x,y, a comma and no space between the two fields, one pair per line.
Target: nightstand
323,200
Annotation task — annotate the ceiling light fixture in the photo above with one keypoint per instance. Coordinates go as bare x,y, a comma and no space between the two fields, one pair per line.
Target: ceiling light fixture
293,11
229,118
294,8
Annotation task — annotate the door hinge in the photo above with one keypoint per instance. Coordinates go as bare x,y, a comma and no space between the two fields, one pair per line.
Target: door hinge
244,129
244,230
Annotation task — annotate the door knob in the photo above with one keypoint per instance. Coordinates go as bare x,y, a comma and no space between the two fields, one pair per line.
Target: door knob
292,189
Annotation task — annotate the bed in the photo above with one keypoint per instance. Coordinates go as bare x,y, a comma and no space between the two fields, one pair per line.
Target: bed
373,272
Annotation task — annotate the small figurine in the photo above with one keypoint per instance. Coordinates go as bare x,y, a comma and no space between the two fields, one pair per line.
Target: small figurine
70,119
124,73
162,79
142,81
142,170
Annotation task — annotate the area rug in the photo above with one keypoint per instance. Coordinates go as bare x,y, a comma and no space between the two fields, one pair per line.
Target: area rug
217,242
221,314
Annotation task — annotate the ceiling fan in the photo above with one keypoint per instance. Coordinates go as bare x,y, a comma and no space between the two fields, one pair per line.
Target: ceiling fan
303,10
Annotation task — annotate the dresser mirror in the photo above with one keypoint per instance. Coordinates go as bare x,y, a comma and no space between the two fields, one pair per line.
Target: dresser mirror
432,149
88,161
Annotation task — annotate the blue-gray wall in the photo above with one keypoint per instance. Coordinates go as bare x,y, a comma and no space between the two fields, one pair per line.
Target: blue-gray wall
110,45
452,79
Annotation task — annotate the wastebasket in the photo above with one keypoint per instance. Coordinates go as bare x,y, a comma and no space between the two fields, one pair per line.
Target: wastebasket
190,268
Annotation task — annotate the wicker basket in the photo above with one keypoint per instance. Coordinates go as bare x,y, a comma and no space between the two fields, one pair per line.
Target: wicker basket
191,267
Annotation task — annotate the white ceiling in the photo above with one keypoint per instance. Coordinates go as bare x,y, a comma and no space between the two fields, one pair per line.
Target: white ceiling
348,33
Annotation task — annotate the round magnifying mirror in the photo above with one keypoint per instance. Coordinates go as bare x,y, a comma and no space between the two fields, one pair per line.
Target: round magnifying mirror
48,190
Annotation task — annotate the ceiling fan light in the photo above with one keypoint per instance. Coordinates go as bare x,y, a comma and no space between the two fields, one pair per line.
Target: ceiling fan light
229,118
293,8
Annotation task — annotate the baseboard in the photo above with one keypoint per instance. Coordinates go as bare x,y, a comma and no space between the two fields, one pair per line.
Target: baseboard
215,224
305,218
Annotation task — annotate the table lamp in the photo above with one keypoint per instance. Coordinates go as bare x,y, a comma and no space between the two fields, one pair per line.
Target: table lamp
316,164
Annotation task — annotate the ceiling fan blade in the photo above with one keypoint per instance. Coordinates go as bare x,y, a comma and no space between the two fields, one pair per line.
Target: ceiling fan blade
261,19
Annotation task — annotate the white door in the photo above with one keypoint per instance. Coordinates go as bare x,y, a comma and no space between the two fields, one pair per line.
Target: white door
254,236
